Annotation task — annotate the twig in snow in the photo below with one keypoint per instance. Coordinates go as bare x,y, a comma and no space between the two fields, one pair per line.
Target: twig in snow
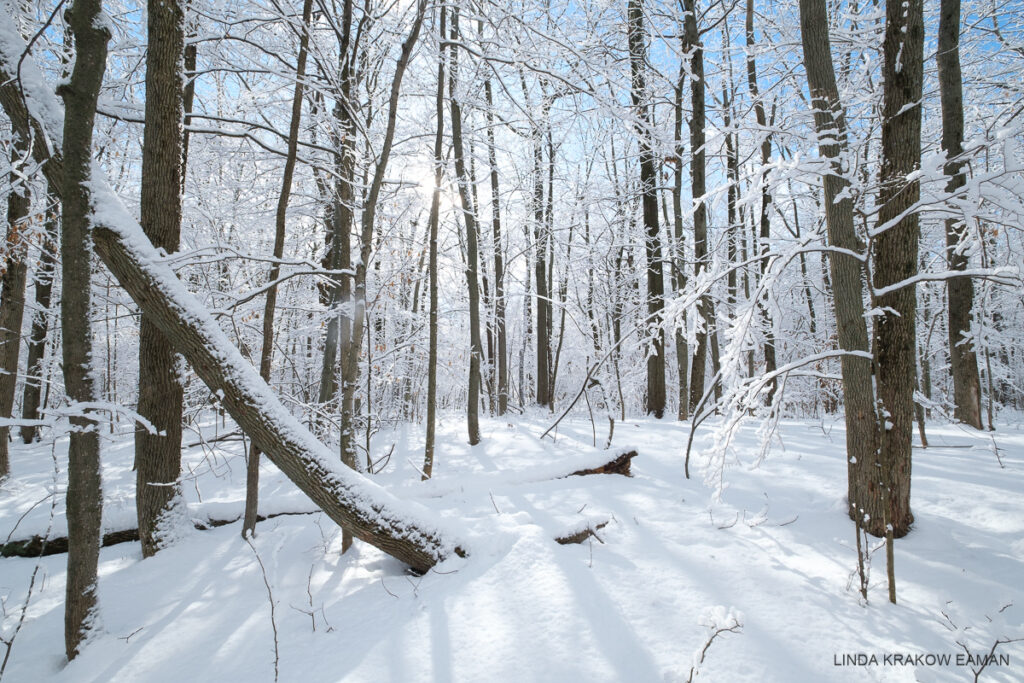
734,627
386,588
493,503
270,597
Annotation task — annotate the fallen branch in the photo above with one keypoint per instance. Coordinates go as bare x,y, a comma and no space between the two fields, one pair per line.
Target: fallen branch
582,534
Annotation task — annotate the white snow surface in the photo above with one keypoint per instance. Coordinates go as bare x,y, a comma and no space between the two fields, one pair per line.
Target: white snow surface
776,555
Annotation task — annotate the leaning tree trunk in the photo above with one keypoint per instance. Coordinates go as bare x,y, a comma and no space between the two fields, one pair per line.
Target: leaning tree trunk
895,252
402,529
84,495
472,249
963,360
655,403
846,269
12,299
252,465
158,455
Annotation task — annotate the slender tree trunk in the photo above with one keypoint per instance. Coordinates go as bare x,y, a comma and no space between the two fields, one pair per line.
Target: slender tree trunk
895,251
963,360
540,264
499,267
40,325
84,495
252,478
766,194
698,185
12,299
655,402
472,248
158,456
679,260
847,273
432,221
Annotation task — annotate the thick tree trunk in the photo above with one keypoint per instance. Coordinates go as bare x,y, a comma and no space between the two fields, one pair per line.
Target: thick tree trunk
963,360
252,478
12,300
401,529
84,495
895,251
655,402
472,249
40,326
158,456
847,273
541,238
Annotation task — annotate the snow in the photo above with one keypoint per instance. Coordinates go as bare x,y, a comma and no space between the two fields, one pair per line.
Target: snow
775,555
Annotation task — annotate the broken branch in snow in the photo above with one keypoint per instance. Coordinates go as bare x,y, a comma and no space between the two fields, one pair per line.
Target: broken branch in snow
582,534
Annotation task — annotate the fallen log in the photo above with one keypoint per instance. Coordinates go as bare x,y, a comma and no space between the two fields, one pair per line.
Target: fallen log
582,535
619,465
403,530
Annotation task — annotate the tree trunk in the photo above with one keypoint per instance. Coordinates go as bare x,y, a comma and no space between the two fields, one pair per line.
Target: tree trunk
895,251
403,530
158,456
84,495
499,267
472,249
963,360
40,325
698,185
252,478
679,260
540,264
435,202
12,299
655,403
766,195
847,274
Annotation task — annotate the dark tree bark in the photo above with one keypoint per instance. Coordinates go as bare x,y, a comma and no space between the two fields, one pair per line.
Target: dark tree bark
472,250
766,194
541,237
432,221
252,477
963,360
158,456
847,273
84,495
655,401
40,326
698,185
895,252
12,299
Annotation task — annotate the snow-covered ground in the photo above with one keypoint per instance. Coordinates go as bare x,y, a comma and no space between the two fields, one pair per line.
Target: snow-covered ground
775,558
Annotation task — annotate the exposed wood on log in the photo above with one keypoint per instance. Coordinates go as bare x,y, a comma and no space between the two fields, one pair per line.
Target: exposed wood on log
620,465
582,534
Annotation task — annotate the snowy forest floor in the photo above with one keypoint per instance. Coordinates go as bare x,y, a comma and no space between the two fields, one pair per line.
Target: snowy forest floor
776,553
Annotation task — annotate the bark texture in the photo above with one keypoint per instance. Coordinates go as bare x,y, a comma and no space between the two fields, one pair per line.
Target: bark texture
960,290
846,266
32,396
84,494
655,403
895,251
158,456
